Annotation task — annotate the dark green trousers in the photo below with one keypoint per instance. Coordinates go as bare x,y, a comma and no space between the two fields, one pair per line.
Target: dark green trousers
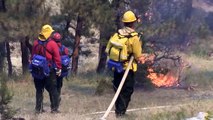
59,86
124,97
50,84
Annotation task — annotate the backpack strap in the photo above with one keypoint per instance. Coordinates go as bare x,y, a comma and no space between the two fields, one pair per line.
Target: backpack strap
62,50
39,52
43,44
134,34
120,36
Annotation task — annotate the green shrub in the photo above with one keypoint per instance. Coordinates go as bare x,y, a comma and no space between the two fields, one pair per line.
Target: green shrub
201,47
6,112
104,83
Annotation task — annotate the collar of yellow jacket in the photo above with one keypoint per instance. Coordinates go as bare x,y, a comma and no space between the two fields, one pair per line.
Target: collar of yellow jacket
126,31
45,33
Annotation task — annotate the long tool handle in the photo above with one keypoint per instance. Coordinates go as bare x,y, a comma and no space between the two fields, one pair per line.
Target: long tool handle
118,90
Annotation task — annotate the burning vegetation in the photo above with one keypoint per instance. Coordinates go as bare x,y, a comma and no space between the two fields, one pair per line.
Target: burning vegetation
164,67
162,80
163,73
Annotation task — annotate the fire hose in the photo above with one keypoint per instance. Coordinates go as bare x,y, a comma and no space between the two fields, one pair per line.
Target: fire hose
118,90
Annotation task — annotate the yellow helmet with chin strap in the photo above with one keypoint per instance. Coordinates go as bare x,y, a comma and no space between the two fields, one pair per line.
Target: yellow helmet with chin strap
129,16
45,33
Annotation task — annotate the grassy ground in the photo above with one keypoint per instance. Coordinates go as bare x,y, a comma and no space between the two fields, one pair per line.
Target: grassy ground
80,99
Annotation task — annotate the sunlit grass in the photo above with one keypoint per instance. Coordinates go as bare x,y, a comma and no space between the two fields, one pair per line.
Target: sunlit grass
80,98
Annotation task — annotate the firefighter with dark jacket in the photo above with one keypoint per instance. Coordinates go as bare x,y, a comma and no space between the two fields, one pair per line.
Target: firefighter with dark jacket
63,51
133,48
51,51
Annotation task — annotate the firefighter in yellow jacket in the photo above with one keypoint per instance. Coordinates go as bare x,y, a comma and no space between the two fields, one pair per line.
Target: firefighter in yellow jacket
132,46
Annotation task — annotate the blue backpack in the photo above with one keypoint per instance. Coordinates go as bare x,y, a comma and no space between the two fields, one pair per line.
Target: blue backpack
65,62
39,66
118,66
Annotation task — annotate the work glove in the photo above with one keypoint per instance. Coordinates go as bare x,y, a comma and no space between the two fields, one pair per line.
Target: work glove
58,72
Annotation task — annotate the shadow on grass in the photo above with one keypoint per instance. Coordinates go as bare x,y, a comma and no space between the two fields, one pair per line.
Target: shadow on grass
90,83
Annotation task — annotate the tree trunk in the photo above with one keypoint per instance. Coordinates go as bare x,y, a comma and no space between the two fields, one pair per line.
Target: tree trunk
2,6
10,69
2,54
65,32
118,16
68,20
28,45
104,36
103,58
24,56
76,45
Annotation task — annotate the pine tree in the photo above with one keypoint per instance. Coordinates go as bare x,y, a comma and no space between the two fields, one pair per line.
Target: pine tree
87,13
22,21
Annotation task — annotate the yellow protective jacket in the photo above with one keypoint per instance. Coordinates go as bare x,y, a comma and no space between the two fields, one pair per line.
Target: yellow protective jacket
133,46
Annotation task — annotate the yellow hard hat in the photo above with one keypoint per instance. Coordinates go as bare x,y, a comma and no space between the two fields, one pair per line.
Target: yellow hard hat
45,33
129,16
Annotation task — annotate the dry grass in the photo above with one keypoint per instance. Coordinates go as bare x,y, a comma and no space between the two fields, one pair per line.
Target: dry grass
79,99
200,72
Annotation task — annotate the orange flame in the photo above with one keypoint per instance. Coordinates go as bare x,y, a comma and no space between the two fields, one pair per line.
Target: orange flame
161,80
